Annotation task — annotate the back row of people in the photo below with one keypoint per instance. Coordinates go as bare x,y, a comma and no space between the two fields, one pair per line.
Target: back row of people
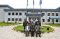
32,26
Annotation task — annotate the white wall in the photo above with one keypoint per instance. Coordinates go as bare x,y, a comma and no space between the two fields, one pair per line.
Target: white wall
23,16
15,16
46,17
2,13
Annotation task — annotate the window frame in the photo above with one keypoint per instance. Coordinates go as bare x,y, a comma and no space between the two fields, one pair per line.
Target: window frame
56,14
48,20
9,13
20,19
43,13
20,13
16,19
9,19
56,20
25,13
43,20
16,13
48,14
12,19
12,13
52,14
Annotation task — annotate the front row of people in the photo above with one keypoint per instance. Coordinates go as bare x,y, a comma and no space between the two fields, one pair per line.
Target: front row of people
31,27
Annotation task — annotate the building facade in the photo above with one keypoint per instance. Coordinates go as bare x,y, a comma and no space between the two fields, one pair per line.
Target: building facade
9,14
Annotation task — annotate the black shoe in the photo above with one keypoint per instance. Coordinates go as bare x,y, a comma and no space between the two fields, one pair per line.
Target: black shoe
26,35
39,35
36,36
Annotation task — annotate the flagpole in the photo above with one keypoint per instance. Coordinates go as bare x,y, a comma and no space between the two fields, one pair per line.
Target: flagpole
40,4
33,6
40,9
27,5
26,8
40,12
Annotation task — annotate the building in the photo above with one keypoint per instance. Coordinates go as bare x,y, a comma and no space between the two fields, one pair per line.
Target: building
9,14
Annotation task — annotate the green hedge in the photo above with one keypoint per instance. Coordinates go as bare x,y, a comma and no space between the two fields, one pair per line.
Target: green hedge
43,29
6,23
55,25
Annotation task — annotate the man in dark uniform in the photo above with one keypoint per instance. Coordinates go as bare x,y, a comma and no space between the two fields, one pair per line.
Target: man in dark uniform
37,27
33,28
25,24
32,31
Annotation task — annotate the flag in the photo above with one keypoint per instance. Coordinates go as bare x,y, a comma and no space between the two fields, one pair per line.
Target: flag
40,2
27,2
33,2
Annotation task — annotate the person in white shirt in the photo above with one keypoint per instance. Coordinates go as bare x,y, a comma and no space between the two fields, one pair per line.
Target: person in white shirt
27,29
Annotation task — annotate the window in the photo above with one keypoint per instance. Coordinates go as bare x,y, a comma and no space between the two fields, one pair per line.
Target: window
25,13
48,14
43,13
12,19
20,13
19,19
12,13
8,19
16,19
43,20
52,14
56,14
56,20
9,13
16,13
48,20
52,20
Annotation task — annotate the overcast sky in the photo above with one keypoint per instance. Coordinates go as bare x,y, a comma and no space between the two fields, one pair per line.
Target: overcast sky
46,4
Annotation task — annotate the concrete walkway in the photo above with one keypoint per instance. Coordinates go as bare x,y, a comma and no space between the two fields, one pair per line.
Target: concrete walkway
7,33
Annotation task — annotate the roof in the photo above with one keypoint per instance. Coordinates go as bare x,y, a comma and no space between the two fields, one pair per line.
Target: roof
35,10
54,17
6,6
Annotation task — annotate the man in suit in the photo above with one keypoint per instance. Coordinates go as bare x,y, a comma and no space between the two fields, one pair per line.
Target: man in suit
27,28
37,27
33,27
25,24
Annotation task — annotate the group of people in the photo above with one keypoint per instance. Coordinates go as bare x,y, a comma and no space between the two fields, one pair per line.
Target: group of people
32,27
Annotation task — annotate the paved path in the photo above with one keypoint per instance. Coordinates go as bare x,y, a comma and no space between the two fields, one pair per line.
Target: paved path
7,33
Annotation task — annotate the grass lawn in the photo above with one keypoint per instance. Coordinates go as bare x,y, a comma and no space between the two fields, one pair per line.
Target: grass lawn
56,25
43,29
6,24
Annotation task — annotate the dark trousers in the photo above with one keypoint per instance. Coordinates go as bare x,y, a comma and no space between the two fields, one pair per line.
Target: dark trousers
38,33
27,33
24,29
32,33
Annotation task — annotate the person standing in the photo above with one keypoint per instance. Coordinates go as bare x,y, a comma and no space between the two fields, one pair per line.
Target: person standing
30,23
27,28
25,24
33,28
37,27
